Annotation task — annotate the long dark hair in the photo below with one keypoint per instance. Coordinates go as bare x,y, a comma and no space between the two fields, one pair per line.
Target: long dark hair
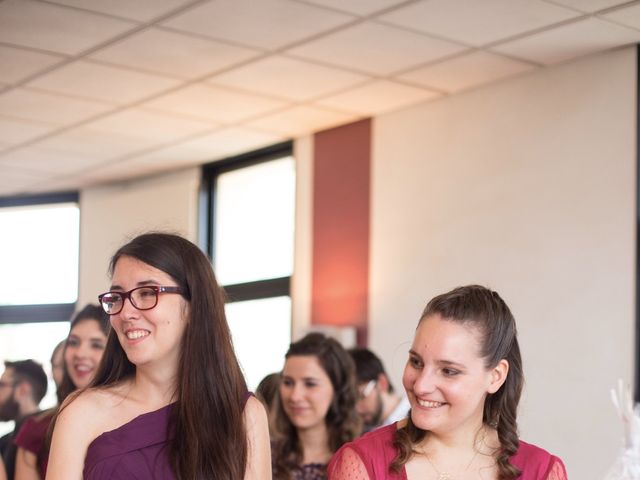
343,422
484,309
208,438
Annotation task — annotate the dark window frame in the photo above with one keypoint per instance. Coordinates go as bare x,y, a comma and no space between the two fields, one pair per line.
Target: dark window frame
260,289
41,313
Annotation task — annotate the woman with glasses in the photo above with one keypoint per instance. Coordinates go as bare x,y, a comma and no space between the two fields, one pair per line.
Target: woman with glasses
81,355
314,409
169,400
463,378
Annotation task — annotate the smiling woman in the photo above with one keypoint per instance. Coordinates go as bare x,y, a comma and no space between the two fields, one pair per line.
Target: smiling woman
463,379
169,399
315,409
82,353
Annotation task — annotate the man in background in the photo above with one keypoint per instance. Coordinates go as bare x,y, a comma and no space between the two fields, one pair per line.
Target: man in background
22,386
378,404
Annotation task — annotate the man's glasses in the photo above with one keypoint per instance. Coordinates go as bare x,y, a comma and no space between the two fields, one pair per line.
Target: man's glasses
368,388
143,298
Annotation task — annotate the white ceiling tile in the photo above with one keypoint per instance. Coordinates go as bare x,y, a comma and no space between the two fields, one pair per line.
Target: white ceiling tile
301,120
569,41
156,125
283,77
55,28
119,171
377,97
590,6
629,16
376,49
45,107
101,82
214,103
267,24
181,55
47,161
140,10
96,145
19,63
15,181
219,144
14,131
466,71
357,7
478,23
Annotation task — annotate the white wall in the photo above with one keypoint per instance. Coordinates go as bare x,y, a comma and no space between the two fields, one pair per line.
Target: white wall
112,215
526,186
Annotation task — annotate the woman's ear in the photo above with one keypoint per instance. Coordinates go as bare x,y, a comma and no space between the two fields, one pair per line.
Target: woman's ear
498,375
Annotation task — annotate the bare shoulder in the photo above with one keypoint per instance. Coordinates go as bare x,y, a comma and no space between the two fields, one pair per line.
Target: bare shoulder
254,410
92,409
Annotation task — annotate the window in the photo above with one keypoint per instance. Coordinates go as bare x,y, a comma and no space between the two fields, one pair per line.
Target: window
39,252
250,203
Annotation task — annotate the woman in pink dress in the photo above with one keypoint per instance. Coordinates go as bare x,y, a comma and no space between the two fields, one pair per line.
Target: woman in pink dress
463,379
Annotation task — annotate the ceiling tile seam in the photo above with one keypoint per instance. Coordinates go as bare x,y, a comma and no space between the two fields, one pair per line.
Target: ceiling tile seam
610,9
87,123
160,18
617,23
139,27
26,48
537,31
382,11
456,55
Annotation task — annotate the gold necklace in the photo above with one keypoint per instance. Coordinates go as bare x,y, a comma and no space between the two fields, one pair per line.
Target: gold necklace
450,476
447,475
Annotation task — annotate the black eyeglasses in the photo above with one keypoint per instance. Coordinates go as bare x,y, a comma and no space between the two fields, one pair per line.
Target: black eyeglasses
143,298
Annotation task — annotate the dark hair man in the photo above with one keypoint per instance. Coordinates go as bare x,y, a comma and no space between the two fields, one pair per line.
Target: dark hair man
378,404
22,386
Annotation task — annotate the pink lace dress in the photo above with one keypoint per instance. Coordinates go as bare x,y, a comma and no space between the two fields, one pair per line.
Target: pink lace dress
369,458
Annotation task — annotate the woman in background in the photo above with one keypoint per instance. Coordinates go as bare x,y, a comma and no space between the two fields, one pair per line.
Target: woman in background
81,354
57,364
463,379
315,410
169,400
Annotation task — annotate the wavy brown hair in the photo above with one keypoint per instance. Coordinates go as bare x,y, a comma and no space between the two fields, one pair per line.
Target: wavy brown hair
485,310
343,422
208,440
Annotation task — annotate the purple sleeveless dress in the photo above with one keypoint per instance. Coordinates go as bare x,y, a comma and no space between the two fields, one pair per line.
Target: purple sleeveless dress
134,451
